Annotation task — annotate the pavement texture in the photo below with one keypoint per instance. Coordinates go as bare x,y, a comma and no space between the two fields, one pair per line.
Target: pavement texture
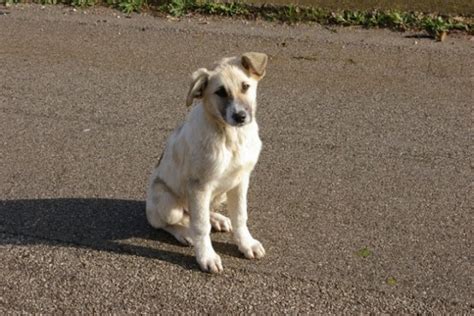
362,196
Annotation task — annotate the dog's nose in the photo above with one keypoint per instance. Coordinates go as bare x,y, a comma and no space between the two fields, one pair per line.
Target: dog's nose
239,117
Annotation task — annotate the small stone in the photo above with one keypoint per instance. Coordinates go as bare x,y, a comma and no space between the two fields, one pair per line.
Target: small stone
441,37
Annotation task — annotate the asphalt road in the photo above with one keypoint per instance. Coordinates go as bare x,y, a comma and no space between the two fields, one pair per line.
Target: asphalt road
362,197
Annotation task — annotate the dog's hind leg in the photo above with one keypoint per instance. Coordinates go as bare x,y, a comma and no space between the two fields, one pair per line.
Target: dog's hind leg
163,209
164,212
181,233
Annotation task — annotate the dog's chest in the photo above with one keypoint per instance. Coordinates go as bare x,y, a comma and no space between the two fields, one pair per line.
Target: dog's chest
238,161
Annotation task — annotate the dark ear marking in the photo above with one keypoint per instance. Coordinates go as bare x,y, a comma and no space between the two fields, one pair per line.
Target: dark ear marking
199,83
200,91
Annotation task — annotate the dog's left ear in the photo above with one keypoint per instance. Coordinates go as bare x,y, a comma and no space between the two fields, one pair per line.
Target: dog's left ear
255,64
199,83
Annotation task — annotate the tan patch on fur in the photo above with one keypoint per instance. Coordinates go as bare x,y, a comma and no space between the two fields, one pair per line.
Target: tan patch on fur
255,63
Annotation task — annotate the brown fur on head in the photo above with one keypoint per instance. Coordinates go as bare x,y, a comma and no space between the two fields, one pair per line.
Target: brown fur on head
255,64
228,90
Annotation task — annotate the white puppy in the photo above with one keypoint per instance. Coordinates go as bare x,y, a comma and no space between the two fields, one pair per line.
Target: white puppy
208,160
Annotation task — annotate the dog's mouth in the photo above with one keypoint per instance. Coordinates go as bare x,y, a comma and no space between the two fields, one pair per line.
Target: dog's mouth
238,124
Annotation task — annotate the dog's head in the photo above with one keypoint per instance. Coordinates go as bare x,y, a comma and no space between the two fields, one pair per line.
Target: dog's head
229,91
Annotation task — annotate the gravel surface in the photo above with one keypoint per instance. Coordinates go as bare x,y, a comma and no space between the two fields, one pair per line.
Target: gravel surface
362,196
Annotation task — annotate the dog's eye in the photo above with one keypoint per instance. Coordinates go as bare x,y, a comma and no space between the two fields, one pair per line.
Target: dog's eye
222,92
245,86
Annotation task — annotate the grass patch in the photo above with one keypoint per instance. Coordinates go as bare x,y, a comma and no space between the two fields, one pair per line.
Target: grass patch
434,25
178,7
83,3
129,6
364,252
391,281
227,9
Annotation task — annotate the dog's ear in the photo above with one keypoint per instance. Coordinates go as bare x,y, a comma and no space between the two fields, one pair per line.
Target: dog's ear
199,83
255,64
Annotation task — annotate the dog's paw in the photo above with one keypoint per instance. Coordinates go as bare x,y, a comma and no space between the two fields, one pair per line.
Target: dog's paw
185,239
181,233
210,262
252,249
220,222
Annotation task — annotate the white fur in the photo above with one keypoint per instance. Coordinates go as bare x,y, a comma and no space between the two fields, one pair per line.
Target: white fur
205,163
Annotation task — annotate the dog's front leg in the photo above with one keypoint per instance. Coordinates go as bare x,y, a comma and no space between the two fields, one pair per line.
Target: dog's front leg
199,204
237,203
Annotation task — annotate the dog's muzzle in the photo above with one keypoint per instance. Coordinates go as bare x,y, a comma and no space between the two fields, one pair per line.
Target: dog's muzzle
239,117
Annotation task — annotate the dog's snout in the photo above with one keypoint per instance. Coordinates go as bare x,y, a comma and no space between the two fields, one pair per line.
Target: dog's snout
239,117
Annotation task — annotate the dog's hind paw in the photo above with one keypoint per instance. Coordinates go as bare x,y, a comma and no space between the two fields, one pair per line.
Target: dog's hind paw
220,222
185,240
181,233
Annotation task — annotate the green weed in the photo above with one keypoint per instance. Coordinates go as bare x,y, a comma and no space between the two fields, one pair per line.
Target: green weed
126,6
83,3
391,281
436,26
129,6
364,252
179,7
9,2
226,9
48,2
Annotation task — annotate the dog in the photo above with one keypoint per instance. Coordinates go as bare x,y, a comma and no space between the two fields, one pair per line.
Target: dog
208,160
